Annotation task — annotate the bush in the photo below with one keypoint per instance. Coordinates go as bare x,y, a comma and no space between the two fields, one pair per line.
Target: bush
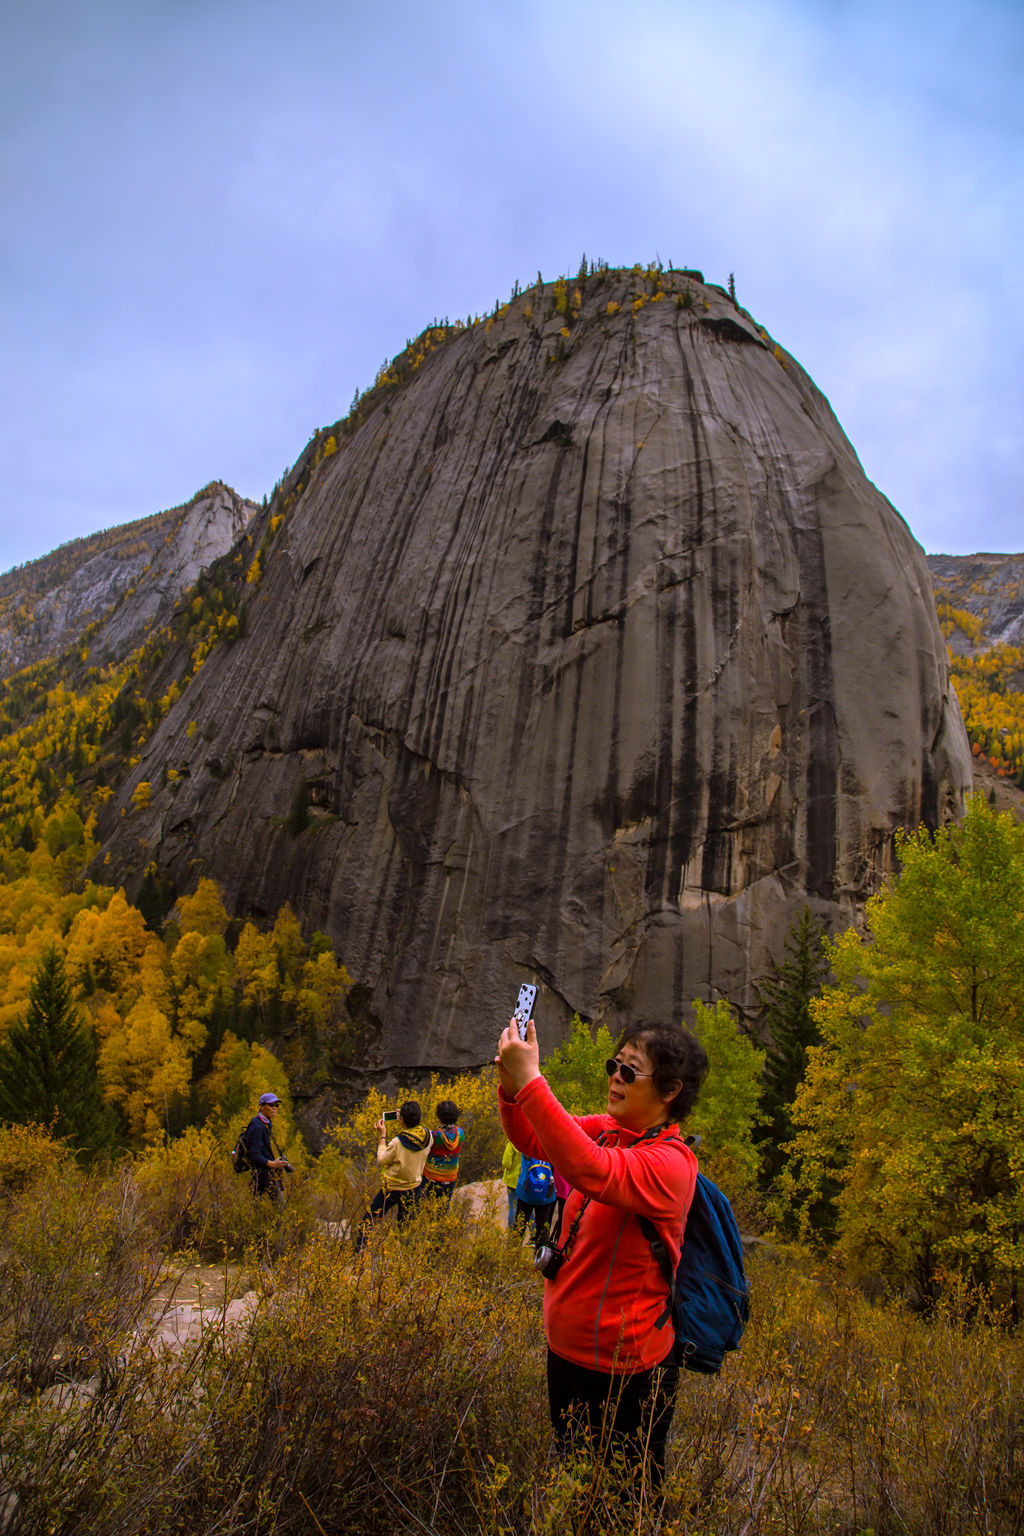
29,1153
405,1387
78,1265
360,1395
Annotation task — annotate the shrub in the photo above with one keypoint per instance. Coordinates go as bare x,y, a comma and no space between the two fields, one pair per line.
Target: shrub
77,1267
405,1388
29,1153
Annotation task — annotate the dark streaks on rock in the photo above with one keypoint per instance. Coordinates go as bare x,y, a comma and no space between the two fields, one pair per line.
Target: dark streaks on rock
605,657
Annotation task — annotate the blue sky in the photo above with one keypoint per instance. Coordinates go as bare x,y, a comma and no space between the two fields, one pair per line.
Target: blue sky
220,216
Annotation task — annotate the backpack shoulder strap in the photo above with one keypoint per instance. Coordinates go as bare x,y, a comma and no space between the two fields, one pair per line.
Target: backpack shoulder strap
660,1252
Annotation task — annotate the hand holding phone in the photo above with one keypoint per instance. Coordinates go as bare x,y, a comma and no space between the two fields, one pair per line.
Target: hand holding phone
517,1057
524,1008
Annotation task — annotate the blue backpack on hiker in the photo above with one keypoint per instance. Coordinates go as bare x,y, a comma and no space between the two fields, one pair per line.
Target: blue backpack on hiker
538,1182
709,1300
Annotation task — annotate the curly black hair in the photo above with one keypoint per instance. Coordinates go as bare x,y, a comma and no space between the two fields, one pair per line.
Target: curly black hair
447,1112
676,1056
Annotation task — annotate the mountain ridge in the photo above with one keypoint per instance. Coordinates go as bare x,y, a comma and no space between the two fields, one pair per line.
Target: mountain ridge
88,590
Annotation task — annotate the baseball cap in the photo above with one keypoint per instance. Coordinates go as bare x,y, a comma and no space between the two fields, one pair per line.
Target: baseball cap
269,1098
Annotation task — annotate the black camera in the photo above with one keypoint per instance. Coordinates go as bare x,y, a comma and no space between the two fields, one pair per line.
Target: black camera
549,1260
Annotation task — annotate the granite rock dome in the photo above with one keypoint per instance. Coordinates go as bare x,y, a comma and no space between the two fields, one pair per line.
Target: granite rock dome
595,655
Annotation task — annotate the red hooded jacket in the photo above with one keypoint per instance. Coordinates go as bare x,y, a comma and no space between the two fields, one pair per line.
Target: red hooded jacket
601,1309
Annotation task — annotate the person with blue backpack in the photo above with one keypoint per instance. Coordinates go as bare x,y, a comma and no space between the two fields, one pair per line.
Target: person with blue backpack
535,1197
612,1366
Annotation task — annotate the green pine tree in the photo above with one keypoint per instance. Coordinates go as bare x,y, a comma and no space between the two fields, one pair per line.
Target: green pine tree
48,1065
786,995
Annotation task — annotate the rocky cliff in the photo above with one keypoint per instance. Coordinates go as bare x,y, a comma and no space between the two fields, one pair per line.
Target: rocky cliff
589,656
117,585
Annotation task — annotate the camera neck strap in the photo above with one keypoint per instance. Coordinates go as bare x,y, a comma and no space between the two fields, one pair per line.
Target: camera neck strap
602,1141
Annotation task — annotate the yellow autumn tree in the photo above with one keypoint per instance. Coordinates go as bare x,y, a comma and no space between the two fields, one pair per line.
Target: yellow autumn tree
324,984
204,911
146,1070
202,973
240,1072
106,949
256,967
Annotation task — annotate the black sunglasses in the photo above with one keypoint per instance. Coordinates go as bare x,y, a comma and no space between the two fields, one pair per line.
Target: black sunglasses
627,1073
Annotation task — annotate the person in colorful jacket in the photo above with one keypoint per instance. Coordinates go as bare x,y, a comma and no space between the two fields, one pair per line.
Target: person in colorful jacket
609,1362
401,1161
442,1166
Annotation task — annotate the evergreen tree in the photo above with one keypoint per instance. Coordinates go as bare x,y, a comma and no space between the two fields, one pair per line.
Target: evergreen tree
155,898
48,1065
786,995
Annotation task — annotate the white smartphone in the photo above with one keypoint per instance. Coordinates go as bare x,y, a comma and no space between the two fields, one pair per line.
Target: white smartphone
524,1008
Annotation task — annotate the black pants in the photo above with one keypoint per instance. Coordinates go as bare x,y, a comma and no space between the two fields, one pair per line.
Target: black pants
627,1414
404,1200
433,1189
267,1181
541,1215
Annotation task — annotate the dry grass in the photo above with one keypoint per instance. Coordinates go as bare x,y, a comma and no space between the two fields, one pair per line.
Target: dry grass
404,1387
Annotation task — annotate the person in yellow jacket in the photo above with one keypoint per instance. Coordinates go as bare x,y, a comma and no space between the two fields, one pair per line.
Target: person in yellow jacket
511,1162
401,1162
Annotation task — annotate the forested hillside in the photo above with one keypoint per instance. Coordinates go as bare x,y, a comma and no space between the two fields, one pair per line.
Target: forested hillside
980,601
182,1010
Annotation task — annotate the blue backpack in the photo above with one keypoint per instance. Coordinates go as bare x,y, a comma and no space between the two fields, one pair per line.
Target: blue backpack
709,1300
538,1182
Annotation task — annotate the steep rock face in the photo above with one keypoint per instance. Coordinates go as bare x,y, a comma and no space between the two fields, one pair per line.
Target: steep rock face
596,655
124,582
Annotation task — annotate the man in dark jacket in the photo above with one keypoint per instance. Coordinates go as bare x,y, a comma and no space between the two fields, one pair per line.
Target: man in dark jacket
260,1150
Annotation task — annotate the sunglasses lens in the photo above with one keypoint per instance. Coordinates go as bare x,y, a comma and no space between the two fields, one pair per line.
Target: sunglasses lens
626,1073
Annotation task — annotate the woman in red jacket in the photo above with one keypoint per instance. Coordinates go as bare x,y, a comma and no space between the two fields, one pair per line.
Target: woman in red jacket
609,1362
